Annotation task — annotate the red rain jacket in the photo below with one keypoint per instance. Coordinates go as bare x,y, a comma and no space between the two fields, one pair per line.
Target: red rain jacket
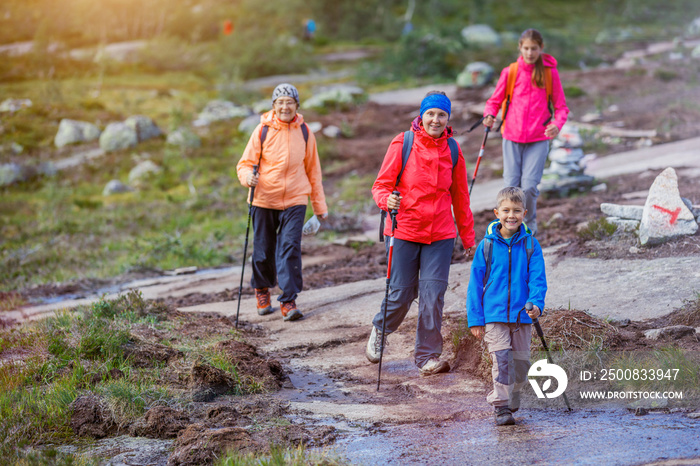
430,190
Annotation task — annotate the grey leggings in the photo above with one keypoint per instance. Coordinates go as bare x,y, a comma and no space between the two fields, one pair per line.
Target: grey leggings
523,164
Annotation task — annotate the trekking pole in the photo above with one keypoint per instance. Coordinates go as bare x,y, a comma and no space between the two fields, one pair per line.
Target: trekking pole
478,160
540,333
245,245
393,214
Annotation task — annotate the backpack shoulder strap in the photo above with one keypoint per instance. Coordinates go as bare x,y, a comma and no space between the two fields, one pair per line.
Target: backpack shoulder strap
510,86
548,82
529,249
454,150
263,135
405,152
548,87
305,131
512,74
488,253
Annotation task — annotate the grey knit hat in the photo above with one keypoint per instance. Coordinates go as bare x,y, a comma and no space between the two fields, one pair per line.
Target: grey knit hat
285,90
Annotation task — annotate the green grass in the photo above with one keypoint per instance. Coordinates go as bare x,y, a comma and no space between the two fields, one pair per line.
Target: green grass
680,371
597,229
689,314
192,213
72,353
283,457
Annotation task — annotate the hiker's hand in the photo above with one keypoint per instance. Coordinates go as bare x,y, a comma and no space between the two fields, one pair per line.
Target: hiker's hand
323,216
469,252
393,202
252,179
478,332
489,120
551,131
534,313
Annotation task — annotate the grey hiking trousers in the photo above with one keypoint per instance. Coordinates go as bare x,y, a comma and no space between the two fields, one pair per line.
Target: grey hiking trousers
418,270
523,164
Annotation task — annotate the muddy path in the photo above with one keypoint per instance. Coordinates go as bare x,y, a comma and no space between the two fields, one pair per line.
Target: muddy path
442,419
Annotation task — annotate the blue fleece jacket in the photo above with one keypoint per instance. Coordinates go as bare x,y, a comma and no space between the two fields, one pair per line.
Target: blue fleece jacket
511,283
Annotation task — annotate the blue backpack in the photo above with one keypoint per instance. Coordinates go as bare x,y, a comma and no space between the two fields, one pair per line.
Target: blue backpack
405,153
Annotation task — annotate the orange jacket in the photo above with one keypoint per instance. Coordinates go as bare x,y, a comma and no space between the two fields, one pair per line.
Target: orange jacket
290,170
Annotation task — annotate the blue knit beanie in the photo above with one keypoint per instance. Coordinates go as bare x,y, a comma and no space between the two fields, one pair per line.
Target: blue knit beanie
436,101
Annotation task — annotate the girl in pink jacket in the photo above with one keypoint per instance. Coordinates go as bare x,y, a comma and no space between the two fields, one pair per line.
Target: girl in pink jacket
534,114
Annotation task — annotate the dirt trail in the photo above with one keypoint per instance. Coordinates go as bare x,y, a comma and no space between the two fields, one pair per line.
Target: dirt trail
676,154
445,419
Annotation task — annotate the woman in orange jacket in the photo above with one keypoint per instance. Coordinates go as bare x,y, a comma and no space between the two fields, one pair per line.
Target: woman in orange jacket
289,173
433,185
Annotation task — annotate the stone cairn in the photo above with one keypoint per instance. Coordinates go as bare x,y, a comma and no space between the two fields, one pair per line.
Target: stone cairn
567,163
664,216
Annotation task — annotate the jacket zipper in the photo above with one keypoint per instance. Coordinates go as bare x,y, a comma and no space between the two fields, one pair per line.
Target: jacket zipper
286,169
510,249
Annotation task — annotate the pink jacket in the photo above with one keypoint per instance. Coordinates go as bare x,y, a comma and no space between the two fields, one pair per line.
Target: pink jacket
528,114
430,190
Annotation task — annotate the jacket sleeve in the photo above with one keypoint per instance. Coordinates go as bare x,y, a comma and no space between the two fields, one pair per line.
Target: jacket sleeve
386,179
493,105
537,280
561,111
475,290
312,165
250,157
461,202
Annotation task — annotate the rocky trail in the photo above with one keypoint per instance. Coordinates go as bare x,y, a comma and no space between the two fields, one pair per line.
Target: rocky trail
444,419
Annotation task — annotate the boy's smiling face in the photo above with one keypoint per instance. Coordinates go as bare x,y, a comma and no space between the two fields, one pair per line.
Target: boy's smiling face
511,215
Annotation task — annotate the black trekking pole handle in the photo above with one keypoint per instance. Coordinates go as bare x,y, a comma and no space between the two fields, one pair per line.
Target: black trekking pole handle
252,188
394,213
540,333
476,125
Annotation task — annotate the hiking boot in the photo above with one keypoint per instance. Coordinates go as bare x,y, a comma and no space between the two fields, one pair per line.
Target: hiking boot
504,417
374,345
514,403
290,311
434,366
262,295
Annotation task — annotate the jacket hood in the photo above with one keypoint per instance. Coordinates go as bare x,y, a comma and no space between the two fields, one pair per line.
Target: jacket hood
269,119
548,61
492,231
417,127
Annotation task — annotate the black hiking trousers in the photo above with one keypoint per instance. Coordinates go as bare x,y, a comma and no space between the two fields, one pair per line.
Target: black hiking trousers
277,249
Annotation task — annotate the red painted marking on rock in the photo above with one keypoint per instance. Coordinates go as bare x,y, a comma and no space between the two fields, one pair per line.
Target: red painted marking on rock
674,214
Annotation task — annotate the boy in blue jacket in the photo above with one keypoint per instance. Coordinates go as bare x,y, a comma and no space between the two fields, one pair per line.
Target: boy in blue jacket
507,272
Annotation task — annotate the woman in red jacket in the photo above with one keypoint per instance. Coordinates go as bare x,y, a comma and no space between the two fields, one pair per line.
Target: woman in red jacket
528,125
432,186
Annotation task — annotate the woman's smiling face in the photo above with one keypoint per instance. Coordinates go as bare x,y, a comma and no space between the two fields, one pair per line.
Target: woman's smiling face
435,121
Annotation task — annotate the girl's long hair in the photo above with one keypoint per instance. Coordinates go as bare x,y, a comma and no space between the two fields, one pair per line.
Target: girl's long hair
537,73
